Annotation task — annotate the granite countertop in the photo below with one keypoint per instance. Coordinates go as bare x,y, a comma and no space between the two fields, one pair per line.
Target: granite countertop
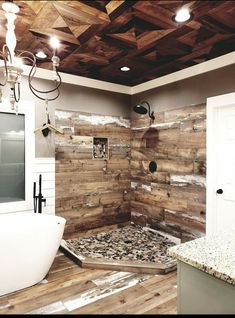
213,254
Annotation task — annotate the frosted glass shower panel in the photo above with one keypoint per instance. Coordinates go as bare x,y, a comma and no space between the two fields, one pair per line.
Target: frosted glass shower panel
12,157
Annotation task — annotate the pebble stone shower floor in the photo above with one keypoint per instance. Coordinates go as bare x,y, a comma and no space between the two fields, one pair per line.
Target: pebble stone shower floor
130,243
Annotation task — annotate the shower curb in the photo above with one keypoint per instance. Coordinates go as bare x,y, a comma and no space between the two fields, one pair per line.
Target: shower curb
132,266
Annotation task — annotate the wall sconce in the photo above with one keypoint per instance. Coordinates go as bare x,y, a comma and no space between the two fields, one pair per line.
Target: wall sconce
141,109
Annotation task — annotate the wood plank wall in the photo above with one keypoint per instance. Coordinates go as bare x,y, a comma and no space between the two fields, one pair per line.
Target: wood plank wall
173,198
92,194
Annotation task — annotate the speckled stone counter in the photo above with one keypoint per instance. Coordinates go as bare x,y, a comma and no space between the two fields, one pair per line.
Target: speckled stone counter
214,255
206,275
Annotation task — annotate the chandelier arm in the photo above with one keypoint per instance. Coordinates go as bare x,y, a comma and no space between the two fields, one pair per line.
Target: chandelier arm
31,59
5,65
33,90
7,53
60,80
44,92
31,76
33,71
39,91
17,98
42,98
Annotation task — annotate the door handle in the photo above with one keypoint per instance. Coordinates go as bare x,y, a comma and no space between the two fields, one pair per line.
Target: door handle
219,191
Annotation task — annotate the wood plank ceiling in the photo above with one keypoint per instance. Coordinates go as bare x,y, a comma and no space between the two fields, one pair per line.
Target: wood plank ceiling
99,36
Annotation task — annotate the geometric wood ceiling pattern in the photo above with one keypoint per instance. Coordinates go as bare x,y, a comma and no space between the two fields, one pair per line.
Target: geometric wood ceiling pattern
98,36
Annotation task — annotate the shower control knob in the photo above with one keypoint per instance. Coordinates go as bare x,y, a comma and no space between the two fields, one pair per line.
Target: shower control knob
219,191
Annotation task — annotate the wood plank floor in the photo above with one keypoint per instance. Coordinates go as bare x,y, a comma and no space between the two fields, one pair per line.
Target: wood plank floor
70,289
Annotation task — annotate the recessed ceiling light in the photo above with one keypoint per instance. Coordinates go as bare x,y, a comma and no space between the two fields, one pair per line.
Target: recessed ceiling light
125,69
182,15
41,55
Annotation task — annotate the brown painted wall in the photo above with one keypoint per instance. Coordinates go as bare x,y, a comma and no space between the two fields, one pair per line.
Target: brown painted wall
92,194
171,199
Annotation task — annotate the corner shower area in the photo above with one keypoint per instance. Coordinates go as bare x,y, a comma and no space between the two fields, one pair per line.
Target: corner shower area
129,189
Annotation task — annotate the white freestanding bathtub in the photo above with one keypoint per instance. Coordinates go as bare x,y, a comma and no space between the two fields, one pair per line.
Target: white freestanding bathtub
28,245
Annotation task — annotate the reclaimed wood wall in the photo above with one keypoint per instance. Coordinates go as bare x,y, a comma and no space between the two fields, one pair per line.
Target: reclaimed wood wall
92,194
173,198
100,194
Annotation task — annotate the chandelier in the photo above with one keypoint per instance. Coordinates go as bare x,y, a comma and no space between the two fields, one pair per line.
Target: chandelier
11,69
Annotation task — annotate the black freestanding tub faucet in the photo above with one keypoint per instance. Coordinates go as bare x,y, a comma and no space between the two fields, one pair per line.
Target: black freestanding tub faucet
38,199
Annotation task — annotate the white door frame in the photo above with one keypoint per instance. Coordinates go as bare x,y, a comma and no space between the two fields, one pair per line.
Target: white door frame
212,106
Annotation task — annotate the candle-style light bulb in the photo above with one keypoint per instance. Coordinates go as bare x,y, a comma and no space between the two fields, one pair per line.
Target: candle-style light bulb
55,43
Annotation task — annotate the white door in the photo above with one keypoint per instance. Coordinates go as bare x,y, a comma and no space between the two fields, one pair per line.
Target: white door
220,163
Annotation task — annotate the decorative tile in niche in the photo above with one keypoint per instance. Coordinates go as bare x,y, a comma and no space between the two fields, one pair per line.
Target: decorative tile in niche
100,148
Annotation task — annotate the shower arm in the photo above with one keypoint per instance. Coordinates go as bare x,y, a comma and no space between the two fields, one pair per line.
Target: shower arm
151,115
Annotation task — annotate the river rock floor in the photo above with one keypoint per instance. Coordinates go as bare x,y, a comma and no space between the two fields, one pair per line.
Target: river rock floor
130,243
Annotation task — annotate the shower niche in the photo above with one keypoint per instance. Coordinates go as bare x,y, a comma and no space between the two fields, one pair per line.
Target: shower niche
100,148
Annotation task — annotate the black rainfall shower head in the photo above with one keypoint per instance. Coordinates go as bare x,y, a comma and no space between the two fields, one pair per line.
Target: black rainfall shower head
141,109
